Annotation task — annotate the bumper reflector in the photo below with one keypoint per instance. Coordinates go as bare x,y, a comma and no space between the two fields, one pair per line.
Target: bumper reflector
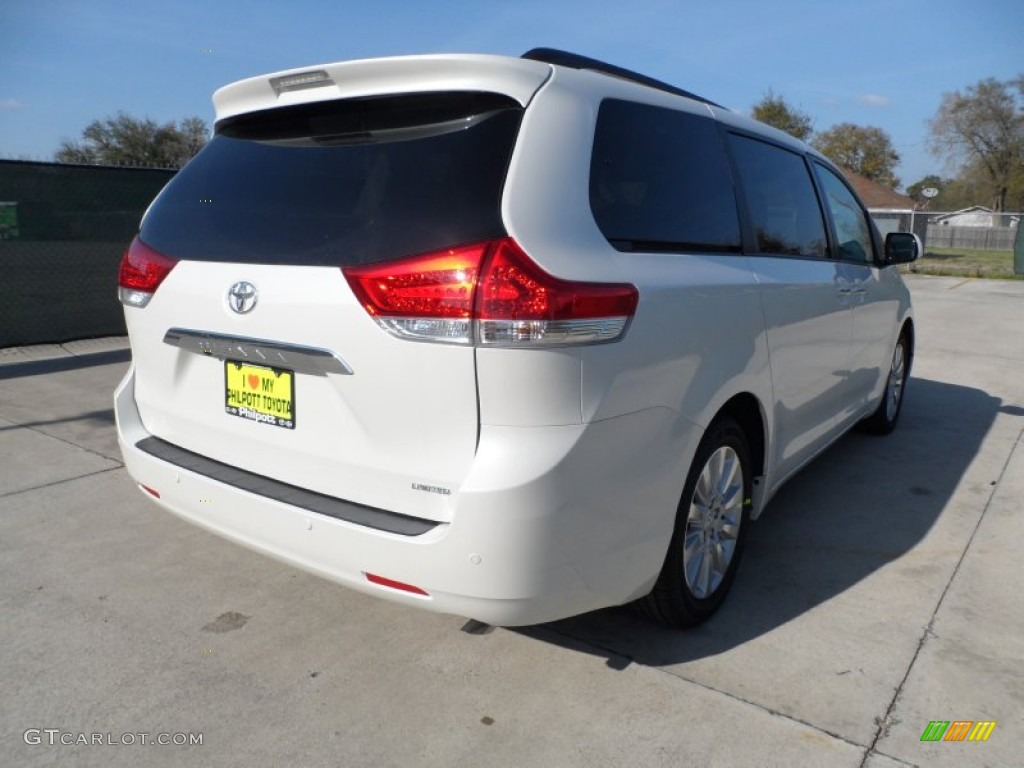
374,579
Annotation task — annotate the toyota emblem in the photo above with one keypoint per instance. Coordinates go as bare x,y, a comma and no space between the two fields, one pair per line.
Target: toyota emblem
242,297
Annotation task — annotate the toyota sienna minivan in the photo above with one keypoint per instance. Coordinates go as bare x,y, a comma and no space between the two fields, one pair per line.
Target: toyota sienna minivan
506,338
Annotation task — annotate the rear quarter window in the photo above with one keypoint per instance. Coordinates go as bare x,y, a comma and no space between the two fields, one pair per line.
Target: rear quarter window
340,183
660,180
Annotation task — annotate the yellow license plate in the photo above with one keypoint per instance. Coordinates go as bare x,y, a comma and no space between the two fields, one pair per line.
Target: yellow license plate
257,393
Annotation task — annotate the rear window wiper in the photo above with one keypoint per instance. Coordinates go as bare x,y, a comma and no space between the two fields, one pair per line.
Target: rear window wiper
379,136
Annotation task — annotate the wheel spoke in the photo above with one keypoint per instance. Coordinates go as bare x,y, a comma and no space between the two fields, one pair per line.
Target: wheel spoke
726,548
730,530
702,494
720,563
693,567
698,513
704,578
730,466
732,496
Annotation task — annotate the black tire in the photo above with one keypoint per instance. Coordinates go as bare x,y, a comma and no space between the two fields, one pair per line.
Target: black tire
883,420
674,600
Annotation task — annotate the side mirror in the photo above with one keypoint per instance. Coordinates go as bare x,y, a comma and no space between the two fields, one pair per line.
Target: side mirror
902,248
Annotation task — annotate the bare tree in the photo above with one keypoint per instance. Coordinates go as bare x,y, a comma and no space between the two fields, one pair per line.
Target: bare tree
125,140
775,111
982,129
866,150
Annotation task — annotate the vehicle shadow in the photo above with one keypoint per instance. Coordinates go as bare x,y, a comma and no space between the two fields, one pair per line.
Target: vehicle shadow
102,418
61,364
860,505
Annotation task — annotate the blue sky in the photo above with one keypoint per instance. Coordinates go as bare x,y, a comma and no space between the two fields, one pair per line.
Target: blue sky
886,63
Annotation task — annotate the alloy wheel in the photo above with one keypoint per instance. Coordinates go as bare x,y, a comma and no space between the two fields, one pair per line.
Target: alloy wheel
713,522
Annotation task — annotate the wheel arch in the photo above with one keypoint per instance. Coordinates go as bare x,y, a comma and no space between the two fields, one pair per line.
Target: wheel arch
747,410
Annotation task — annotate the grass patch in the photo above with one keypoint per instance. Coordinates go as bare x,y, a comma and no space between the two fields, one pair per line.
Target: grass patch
965,262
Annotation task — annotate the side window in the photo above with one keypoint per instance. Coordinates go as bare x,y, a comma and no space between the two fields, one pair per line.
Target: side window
852,231
660,180
780,197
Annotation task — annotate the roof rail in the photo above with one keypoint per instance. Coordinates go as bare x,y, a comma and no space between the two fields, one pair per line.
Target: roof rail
575,61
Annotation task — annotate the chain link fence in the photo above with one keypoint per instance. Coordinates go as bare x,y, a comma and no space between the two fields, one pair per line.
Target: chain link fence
63,230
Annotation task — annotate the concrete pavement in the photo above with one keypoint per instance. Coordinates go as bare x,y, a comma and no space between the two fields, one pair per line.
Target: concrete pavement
880,591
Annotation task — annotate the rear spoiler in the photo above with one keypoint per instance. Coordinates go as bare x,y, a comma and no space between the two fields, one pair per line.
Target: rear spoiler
516,78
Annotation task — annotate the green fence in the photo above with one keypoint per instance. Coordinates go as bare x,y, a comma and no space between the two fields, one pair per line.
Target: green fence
63,230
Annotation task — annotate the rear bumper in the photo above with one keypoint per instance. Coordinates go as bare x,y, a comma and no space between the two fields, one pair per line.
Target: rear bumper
550,522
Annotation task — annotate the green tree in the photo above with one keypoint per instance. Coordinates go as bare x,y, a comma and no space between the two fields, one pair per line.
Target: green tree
863,149
982,130
775,111
125,140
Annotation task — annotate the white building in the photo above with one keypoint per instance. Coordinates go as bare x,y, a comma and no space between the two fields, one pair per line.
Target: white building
976,216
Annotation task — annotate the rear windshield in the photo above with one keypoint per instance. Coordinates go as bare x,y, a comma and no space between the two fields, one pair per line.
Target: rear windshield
343,182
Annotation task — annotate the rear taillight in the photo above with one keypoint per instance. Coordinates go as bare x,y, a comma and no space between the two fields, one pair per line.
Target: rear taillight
142,271
427,297
492,294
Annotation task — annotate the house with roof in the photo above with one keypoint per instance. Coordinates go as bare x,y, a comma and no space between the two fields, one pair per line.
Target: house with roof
878,197
891,211
975,216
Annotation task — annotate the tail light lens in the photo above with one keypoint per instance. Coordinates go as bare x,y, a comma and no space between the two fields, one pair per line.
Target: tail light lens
428,297
142,271
490,294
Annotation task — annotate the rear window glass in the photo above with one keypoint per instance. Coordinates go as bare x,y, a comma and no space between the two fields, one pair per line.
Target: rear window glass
343,182
660,180
780,197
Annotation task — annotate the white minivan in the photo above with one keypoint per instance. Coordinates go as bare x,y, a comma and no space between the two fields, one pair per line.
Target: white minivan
507,338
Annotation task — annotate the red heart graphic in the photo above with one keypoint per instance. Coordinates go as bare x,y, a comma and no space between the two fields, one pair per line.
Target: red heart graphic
254,381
